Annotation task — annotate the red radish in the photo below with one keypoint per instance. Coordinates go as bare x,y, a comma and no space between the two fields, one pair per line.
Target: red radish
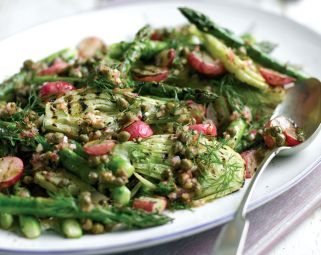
274,78
57,67
139,129
206,129
151,204
151,74
197,111
89,46
269,141
291,137
55,88
204,64
156,36
166,57
250,162
98,147
11,170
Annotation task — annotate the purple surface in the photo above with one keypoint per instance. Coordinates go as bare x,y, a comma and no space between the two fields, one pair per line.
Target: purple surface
268,224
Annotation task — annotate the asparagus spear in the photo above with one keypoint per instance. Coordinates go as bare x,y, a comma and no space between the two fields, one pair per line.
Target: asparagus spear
6,220
203,23
71,228
169,91
134,52
8,87
29,226
45,78
64,207
76,164
150,49
235,132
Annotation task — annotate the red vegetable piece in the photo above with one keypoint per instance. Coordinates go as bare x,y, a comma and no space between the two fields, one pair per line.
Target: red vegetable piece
204,64
206,129
55,88
57,67
98,147
11,170
156,36
151,204
269,141
197,111
275,78
291,137
166,57
151,74
139,129
250,162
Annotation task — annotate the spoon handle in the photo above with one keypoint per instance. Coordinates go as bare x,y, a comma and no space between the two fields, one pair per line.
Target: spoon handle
232,237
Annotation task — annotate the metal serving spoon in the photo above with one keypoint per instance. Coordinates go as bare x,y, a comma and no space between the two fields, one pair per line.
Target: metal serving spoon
302,104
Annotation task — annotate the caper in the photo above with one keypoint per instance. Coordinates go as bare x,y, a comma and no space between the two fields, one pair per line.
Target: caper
188,184
123,136
190,152
87,224
145,107
170,106
97,228
27,179
122,103
93,177
170,127
186,164
179,147
28,64
276,130
106,177
128,117
231,131
84,138
280,139
183,118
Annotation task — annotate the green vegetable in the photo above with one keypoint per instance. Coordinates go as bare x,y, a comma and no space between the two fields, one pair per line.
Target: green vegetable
29,226
6,220
147,157
134,51
235,131
76,164
203,23
7,88
118,164
120,195
64,207
221,172
71,228
150,49
53,181
169,91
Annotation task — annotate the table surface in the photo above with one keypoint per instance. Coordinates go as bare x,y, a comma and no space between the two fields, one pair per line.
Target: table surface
305,239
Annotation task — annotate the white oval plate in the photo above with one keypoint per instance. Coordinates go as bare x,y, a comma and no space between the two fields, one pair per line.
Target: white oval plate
296,43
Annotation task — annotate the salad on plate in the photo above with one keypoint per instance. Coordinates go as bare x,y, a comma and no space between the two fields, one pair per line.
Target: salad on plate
106,137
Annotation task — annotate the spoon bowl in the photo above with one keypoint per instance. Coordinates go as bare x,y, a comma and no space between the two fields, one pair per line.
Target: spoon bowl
302,104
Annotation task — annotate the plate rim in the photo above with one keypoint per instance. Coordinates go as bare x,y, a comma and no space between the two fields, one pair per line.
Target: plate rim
195,229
